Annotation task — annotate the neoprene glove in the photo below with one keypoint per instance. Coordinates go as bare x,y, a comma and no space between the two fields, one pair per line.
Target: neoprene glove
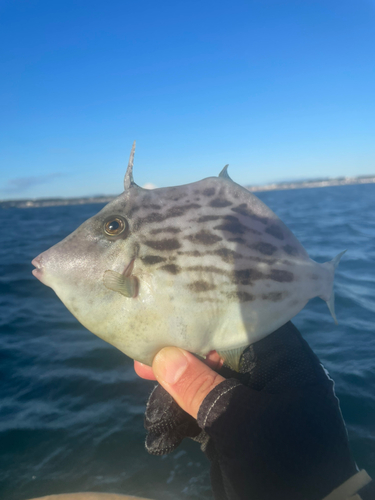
272,431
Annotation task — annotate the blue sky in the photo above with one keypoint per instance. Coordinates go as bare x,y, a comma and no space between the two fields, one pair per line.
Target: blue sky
279,89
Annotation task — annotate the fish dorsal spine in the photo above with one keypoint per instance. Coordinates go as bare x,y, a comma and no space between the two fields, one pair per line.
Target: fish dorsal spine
128,179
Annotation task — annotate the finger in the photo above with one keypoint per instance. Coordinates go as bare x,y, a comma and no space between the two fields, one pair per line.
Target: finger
144,371
187,379
214,361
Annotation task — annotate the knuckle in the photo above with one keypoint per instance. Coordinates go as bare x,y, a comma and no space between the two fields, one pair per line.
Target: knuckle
199,387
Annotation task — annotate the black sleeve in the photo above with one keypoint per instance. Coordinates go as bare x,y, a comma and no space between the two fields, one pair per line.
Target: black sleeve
276,430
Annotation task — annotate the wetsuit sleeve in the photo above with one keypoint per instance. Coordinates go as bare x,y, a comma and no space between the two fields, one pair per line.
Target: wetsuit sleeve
277,433
266,446
273,431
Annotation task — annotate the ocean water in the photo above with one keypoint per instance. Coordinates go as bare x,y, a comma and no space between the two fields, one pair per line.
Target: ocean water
71,406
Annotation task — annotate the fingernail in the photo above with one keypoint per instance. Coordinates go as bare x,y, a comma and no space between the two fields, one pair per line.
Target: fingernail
170,364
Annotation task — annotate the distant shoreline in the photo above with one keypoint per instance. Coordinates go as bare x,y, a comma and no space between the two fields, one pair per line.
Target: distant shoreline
84,200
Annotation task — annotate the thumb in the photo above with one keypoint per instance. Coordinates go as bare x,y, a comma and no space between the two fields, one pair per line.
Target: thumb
187,379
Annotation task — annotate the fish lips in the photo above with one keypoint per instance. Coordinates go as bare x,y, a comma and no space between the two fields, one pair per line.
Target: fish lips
38,271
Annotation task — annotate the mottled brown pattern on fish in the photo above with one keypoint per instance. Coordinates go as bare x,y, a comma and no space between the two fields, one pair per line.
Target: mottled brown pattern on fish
171,268
237,240
173,230
206,269
223,255
150,260
226,254
203,298
287,262
201,286
177,211
204,237
264,248
241,296
190,253
275,231
163,245
220,203
263,260
290,250
207,218
208,192
155,217
132,210
234,227
151,218
274,296
152,206
246,276
243,209
281,276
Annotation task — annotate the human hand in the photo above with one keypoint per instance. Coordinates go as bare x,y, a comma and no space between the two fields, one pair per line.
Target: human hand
186,378
278,418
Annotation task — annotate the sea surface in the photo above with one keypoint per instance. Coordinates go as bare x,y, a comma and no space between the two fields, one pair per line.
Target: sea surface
71,406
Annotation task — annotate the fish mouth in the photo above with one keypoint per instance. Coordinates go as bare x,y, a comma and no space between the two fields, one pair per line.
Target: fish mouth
38,271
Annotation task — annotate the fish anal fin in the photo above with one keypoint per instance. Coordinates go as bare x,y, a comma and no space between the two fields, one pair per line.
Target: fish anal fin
232,357
125,285
331,306
328,294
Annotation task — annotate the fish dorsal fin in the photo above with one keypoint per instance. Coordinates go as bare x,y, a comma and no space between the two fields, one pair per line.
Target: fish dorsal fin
128,179
232,358
224,173
126,285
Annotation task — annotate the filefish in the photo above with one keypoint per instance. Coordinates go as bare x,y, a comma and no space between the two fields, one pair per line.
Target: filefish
203,266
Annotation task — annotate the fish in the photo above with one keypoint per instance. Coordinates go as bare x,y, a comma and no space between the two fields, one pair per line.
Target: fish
203,266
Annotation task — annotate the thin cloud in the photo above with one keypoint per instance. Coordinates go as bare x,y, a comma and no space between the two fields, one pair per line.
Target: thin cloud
21,184
149,185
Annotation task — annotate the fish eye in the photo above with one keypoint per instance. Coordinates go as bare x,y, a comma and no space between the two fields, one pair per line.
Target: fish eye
114,226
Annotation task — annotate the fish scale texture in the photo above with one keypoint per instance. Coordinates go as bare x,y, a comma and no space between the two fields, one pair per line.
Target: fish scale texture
274,430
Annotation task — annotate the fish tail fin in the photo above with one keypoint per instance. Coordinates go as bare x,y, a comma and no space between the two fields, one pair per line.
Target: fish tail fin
329,295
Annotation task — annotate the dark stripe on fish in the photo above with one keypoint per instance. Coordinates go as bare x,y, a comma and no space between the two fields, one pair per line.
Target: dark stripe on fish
171,268
173,230
243,209
206,218
191,253
176,211
164,245
226,255
246,276
281,276
204,238
241,296
201,286
264,248
275,231
220,203
206,269
234,227
290,250
208,192
274,296
149,260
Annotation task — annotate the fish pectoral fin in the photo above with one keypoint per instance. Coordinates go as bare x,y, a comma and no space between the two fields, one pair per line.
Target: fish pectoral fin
126,285
232,358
